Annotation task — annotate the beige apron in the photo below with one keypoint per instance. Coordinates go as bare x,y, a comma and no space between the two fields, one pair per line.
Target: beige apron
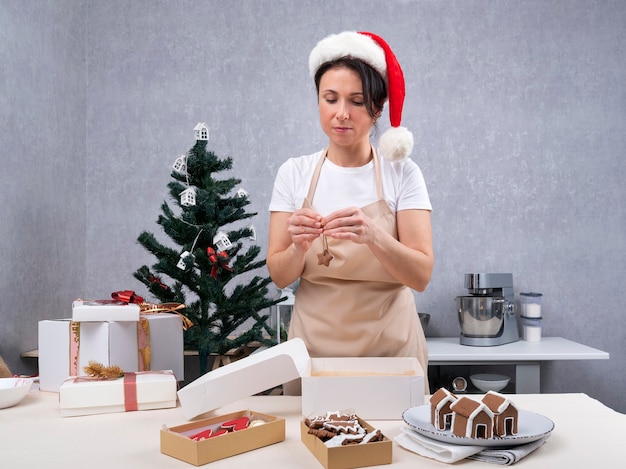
353,307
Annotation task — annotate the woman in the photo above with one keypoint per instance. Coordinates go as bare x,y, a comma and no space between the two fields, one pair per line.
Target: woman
350,223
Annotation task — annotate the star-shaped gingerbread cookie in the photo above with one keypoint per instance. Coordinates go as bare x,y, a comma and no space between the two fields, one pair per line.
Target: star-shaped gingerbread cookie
324,258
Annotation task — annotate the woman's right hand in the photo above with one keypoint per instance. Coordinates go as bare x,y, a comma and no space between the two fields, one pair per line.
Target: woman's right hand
291,236
304,226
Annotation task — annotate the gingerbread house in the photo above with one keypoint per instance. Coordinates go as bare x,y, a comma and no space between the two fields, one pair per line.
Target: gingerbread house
504,413
471,419
440,412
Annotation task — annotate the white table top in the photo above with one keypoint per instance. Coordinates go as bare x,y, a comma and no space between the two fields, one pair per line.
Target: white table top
449,349
33,435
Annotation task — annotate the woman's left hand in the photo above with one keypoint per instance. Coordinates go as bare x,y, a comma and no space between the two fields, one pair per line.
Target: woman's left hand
351,224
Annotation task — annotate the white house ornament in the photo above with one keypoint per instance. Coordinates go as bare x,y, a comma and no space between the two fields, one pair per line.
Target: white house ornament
221,241
202,131
188,197
253,230
182,262
180,164
241,193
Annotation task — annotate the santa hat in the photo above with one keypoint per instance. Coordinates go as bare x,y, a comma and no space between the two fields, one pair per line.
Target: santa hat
397,142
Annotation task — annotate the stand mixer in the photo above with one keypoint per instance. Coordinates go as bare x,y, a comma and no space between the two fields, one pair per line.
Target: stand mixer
487,315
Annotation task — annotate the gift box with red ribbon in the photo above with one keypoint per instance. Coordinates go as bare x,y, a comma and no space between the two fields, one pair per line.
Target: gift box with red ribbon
85,395
155,342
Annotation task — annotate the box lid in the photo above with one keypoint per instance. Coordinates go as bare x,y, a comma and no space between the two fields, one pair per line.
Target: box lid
251,375
104,310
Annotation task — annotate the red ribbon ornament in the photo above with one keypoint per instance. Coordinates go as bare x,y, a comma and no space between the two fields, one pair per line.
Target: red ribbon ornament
127,296
157,280
218,259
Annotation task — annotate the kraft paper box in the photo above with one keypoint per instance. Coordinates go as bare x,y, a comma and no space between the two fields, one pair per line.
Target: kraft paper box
104,310
348,456
66,347
386,386
160,343
175,441
135,391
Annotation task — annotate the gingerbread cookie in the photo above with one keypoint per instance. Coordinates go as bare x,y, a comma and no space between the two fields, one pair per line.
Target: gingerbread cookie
338,429
322,433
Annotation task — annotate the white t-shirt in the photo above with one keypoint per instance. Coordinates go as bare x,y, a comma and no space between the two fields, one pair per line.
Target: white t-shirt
338,187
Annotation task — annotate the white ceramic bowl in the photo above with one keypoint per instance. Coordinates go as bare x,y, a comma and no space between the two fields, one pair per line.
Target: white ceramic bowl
489,382
13,390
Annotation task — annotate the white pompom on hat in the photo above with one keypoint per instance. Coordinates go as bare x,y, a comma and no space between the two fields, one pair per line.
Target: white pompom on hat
397,142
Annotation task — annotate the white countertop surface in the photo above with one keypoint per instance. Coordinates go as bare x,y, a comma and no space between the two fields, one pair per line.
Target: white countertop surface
33,435
449,349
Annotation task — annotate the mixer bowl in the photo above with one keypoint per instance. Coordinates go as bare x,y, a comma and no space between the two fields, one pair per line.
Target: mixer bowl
424,320
480,316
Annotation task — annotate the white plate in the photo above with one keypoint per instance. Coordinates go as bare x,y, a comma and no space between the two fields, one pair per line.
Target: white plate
530,427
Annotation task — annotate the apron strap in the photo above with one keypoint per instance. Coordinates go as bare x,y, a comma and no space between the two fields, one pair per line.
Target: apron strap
379,180
315,178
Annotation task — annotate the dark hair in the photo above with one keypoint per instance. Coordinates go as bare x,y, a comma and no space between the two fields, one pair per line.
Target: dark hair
374,86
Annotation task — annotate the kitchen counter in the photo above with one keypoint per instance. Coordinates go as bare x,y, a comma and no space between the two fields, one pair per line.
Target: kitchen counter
526,356
33,434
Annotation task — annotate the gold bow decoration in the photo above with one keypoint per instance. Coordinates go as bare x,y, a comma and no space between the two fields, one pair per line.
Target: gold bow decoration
155,308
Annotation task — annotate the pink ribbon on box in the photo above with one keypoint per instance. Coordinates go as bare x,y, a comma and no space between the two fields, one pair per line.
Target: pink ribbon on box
130,392
74,347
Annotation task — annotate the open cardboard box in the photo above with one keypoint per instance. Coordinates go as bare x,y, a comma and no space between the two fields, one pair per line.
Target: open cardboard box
349,456
387,386
176,441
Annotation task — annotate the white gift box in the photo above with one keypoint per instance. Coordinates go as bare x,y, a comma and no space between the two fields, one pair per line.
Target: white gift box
376,387
66,347
135,391
166,346
104,310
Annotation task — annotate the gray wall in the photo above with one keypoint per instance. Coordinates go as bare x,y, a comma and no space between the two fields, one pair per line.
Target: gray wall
518,109
42,180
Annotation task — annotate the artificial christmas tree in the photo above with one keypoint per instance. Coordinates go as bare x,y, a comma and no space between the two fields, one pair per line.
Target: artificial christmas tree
210,271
